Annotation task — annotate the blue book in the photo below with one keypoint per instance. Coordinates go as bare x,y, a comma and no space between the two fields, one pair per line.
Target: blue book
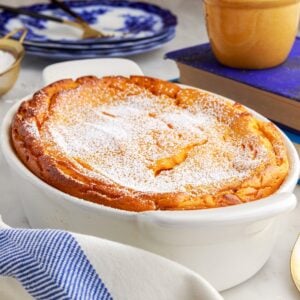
273,92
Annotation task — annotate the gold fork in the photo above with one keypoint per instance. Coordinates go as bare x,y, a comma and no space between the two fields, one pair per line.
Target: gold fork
88,32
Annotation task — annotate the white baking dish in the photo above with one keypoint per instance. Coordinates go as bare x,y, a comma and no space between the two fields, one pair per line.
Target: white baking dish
225,245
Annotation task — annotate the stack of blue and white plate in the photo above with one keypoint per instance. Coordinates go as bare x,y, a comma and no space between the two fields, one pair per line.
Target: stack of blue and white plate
131,27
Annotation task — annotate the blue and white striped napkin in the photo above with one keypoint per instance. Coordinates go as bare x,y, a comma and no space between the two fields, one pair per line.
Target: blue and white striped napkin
54,264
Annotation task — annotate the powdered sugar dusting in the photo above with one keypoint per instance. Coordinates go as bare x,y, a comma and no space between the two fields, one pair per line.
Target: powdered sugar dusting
121,139
32,128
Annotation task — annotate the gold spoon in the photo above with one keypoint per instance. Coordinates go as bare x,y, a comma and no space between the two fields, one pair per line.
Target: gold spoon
295,264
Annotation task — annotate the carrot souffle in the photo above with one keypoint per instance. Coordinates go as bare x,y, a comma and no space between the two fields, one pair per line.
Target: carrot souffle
141,143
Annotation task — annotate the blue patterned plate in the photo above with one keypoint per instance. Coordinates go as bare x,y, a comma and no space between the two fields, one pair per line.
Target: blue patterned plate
78,54
102,45
124,20
105,51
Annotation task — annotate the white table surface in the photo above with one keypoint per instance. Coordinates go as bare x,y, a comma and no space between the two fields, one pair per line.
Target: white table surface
273,281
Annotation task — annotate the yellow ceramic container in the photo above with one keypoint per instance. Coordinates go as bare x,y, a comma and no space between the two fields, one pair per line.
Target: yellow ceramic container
252,34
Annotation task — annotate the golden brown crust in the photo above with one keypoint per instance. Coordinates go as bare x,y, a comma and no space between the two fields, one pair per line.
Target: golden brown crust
57,170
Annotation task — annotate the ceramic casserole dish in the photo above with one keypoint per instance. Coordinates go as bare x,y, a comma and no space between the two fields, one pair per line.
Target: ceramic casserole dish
225,245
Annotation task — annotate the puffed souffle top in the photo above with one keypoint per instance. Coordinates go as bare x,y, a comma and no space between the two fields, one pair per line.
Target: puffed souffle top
141,143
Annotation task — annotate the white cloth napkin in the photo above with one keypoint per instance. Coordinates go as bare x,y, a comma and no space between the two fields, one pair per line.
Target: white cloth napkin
54,264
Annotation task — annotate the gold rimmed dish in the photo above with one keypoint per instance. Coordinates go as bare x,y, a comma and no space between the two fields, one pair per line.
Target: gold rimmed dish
9,76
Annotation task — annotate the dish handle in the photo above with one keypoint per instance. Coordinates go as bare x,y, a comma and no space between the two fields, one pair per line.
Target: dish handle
260,210
96,67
